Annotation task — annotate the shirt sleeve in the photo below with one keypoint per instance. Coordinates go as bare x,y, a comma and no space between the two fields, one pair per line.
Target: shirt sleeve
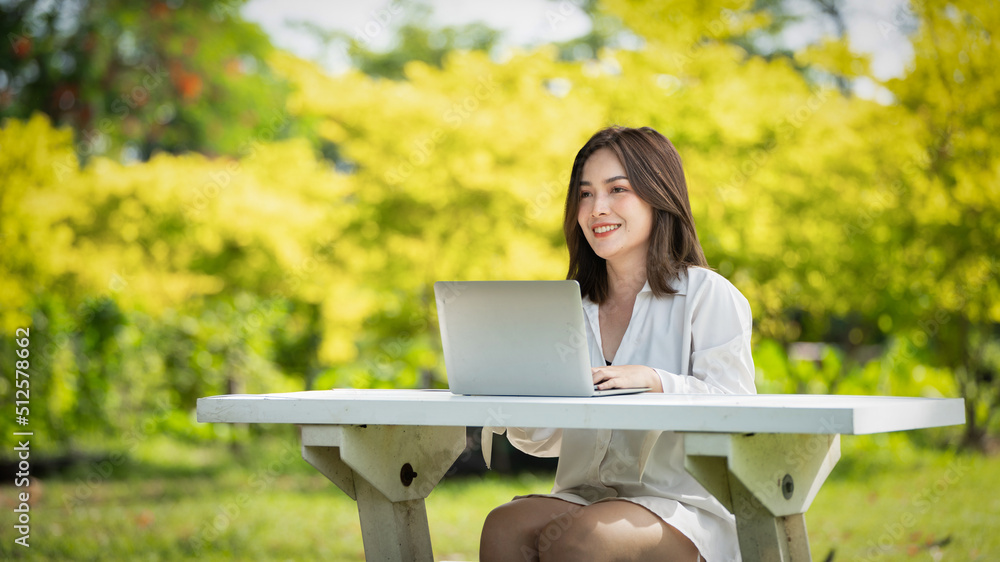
721,361
537,442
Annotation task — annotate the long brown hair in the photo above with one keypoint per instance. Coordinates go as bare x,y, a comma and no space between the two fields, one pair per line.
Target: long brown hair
654,170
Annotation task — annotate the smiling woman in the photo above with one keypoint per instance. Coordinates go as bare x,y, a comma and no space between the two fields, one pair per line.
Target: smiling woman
657,181
615,221
657,317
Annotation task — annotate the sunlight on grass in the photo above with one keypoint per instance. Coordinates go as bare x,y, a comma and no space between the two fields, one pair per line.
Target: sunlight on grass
180,501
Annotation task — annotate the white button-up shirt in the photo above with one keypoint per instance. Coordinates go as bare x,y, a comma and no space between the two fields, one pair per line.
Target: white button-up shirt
698,341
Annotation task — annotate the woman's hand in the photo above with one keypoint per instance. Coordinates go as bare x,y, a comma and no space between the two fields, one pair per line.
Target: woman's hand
626,376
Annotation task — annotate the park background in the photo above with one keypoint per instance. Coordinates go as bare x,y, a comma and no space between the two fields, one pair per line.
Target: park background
188,210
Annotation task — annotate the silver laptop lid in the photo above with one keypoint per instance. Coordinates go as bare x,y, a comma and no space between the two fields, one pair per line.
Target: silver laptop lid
518,338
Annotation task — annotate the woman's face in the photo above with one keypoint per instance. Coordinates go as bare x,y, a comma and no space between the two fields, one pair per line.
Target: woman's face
615,221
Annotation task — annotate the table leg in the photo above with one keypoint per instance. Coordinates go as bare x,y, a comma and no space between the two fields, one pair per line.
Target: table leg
388,470
763,536
768,482
392,530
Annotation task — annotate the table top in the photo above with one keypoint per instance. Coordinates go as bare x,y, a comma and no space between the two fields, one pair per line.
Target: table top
759,413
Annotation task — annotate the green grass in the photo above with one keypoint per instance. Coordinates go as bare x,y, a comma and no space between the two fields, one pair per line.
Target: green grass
177,501
944,507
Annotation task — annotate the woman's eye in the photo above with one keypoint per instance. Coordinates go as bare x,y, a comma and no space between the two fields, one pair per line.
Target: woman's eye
618,189
584,194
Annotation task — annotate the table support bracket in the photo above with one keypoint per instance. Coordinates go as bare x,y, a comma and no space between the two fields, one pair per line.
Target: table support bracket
388,470
767,481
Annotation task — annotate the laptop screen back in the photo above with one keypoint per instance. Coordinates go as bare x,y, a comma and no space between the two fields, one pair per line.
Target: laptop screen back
518,338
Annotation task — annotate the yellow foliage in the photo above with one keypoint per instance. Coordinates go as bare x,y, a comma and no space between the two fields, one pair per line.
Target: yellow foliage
155,235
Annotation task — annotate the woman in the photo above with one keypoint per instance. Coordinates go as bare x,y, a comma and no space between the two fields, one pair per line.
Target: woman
656,317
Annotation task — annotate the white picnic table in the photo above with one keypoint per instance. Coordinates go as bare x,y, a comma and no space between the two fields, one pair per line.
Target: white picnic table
763,456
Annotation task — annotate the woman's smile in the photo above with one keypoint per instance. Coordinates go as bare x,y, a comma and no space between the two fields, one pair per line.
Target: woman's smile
604,230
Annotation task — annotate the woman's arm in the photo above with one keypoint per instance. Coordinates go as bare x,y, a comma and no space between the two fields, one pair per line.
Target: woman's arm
724,369
721,361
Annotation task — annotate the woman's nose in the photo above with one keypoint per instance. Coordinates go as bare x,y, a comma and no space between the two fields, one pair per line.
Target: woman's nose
600,206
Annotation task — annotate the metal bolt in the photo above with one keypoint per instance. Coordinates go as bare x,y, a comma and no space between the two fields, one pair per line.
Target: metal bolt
787,486
406,474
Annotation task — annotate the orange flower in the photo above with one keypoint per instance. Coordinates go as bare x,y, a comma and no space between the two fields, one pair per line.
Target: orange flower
21,47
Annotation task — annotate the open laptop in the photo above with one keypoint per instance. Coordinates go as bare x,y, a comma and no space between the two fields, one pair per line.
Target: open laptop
516,338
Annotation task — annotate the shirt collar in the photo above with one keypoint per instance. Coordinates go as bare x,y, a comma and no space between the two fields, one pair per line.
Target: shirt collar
679,284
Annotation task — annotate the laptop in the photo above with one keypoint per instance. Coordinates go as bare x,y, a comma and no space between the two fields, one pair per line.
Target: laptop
516,338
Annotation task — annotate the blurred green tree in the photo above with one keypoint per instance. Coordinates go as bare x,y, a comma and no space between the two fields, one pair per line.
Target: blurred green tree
946,264
132,78
413,39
